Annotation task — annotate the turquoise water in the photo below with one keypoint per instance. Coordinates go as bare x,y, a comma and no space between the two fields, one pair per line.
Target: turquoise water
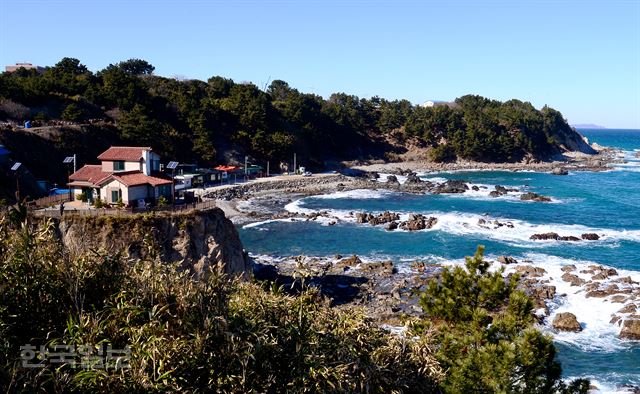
606,203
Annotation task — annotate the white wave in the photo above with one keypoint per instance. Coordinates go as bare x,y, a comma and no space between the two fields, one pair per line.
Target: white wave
515,231
594,314
603,385
357,194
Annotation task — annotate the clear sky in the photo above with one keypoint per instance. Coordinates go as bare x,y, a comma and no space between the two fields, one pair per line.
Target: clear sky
580,57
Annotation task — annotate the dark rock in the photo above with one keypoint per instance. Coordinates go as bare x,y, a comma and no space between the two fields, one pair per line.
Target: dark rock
392,179
507,260
591,236
494,194
475,188
413,178
566,321
349,262
568,238
545,236
559,171
531,196
568,268
451,186
379,267
392,226
530,271
575,280
416,222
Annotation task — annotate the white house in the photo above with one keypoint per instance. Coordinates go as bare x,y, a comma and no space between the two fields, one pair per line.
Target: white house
128,173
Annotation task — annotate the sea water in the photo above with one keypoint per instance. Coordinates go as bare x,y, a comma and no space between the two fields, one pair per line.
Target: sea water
606,203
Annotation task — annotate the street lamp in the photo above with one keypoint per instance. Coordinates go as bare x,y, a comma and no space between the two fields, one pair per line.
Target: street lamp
15,168
172,166
69,160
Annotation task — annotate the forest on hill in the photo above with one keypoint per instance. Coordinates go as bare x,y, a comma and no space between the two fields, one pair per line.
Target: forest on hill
219,120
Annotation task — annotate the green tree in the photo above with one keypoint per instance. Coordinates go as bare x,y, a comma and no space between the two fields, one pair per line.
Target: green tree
136,67
73,113
484,327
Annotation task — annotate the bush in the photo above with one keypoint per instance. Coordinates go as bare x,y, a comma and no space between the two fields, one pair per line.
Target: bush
73,113
98,203
484,327
442,153
84,197
120,203
205,333
162,201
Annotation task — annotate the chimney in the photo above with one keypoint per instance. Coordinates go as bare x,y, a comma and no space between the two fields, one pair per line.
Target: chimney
146,164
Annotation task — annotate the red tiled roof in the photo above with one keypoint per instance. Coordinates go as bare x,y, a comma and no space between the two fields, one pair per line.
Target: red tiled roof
89,173
227,168
126,153
138,178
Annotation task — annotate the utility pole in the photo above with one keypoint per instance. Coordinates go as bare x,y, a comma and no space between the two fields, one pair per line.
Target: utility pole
267,169
294,163
245,167
74,163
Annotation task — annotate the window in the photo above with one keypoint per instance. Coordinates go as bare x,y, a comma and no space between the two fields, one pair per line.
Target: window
118,165
115,196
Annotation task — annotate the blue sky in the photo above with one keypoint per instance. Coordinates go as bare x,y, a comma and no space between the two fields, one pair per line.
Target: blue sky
580,57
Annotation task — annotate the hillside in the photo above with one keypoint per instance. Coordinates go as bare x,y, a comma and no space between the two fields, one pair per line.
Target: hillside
220,121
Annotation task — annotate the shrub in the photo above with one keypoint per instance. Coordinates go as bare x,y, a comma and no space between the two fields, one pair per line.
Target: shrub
162,201
484,327
442,153
84,197
98,203
186,333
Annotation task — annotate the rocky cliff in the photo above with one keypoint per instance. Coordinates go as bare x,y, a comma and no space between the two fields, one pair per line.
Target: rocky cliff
196,239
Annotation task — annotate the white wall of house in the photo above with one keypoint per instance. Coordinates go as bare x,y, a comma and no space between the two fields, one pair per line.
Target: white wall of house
107,188
107,166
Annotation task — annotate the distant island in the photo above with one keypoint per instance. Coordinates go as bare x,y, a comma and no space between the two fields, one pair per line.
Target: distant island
588,126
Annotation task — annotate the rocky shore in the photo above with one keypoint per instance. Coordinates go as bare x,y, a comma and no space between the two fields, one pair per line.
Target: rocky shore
390,294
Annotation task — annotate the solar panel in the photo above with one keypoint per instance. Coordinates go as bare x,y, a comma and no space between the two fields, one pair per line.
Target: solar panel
172,165
16,166
68,160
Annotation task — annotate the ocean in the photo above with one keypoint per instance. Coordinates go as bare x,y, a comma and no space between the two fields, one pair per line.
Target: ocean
606,203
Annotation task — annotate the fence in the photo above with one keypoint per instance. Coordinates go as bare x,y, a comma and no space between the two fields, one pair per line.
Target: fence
49,201
201,206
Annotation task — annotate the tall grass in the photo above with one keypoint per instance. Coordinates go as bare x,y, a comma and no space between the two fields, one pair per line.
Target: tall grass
213,333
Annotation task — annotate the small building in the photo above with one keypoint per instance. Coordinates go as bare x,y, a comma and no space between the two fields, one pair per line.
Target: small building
27,66
4,154
129,174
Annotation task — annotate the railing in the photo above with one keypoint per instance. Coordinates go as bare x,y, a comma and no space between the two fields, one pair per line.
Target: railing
49,201
200,206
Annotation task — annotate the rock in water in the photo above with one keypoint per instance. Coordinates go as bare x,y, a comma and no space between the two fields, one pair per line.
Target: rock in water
392,179
413,178
630,329
531,196
559,171
591,237
507,260
452,186
566,321
545,236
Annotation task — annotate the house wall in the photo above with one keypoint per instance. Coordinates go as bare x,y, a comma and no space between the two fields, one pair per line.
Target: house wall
107,166
105,191
138,192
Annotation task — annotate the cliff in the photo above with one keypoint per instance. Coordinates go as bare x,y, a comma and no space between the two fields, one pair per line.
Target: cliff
197,239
